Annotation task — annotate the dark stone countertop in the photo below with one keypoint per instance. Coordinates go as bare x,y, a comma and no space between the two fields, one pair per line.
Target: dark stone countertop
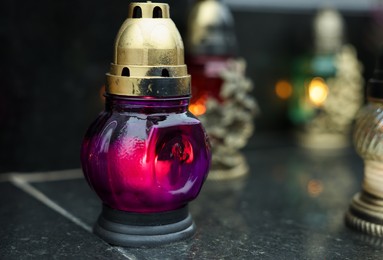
290,206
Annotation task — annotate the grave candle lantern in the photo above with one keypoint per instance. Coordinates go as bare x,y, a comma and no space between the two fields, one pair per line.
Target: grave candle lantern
146,156
366,209
222,97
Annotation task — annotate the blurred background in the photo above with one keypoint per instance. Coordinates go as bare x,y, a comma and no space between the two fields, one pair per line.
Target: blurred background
54,56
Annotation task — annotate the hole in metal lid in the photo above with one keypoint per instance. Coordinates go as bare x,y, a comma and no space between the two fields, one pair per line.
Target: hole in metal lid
157,12
125,72
165,73
137,12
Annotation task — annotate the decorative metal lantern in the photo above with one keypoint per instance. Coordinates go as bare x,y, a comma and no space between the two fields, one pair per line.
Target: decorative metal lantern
221,92
146,156
366,210
327,87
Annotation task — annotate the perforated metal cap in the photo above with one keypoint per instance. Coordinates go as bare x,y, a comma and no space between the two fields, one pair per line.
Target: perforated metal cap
148,55
211,29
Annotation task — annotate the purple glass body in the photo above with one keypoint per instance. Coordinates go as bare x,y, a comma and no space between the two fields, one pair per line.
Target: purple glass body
146,155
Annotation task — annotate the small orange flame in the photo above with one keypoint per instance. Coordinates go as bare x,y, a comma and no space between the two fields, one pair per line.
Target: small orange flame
318,91
198,107
283,89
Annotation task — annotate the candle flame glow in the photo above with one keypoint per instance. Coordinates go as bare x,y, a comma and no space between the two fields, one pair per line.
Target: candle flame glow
283,89
317,91
198,107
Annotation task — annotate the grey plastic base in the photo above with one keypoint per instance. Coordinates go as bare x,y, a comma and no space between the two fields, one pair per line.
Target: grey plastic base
144,230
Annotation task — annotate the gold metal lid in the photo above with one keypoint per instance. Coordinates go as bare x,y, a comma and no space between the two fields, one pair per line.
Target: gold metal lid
211,29
148,55
328,31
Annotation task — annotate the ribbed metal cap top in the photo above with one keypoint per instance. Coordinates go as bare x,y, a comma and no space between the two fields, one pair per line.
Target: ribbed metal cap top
148,55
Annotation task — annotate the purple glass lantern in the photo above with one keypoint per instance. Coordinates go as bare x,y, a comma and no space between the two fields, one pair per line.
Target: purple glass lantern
146,156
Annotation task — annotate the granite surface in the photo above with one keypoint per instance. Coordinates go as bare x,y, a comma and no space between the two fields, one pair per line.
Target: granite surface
290,206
